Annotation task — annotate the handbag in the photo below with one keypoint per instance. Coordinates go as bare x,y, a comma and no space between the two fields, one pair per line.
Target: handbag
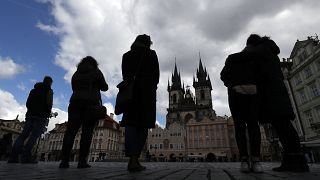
124,97
98,111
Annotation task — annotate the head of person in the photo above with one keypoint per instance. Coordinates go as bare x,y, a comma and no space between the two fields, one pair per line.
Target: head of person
88,61
142,40
271,44
47,80
254,40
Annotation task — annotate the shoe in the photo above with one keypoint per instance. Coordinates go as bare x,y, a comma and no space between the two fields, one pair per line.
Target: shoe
293,162
134,165
256,167
245,166
82,165
13,161
64,164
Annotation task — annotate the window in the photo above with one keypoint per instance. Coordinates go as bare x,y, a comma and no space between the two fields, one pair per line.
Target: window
171,146
174,98
308,116
150,147
308,72
318,65
314,90
202,97
297,79
160,146
302,96
318,112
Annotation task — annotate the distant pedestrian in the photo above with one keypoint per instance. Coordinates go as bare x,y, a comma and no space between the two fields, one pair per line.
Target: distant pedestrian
276,107
142,62
240,76
86,82
39,105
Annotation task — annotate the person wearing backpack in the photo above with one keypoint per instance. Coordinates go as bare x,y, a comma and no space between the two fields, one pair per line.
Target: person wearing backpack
39,105
240,77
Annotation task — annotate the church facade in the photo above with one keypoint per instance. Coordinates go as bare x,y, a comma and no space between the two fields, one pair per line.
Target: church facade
193,131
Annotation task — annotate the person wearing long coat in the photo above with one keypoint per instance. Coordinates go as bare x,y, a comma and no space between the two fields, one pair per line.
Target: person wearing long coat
87,82
240,76
141,62
276,108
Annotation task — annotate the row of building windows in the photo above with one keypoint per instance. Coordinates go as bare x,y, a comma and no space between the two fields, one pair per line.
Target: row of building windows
171,146
307,73
311,89
312,115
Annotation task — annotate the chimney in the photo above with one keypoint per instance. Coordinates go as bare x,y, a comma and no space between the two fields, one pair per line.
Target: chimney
111,115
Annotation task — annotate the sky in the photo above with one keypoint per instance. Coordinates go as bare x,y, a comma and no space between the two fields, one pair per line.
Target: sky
49,37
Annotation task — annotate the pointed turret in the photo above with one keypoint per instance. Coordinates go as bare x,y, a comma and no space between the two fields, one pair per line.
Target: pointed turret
176,79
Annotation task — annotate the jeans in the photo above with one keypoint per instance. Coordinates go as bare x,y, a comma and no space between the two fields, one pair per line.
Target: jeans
135,138
245,114
78,116
32,129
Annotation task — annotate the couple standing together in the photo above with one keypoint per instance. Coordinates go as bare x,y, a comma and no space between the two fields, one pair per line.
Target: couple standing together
257,95
88,81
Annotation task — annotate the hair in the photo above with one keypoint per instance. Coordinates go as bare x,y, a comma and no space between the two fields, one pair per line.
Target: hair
271,44
143,40
88,60
254,39
47,80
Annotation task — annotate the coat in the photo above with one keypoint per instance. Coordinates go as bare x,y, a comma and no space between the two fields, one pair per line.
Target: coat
273,96
39,102
87,82
143,110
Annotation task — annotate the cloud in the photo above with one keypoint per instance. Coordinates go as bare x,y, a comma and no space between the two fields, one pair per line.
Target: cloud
179,29
8,68
9,107
21,86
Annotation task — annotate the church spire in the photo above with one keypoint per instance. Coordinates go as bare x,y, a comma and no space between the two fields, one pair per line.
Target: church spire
176,78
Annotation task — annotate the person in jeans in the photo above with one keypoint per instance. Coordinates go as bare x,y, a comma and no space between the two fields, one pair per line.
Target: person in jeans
141,62
239,75
39,105
86,82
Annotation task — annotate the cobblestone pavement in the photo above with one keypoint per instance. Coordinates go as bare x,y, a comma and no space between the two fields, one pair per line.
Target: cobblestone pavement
167,171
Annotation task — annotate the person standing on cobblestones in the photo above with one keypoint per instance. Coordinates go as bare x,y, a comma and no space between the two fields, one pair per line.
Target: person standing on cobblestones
39,105
142,113
86,82
276,107
240,76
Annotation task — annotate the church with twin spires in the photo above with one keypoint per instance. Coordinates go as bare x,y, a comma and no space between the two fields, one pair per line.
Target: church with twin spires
183,105
193,131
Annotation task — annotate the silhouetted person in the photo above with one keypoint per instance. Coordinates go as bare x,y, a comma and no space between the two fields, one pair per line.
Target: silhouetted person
86,82
142,114
240,76
5,145
276,107
39,105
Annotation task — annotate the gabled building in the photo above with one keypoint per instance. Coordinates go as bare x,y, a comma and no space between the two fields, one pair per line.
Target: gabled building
302,75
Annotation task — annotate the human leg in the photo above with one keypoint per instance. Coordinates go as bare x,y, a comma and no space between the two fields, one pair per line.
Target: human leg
85,142
292,157
73,126
18,145
38,128
134,140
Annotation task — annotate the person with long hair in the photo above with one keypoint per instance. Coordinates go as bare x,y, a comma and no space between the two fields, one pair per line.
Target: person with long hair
141,62
86,82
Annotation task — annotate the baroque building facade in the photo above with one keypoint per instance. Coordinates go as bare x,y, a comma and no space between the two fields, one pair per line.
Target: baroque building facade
302,78
107,142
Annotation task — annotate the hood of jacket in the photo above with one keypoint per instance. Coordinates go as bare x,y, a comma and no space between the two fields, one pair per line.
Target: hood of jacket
272,46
